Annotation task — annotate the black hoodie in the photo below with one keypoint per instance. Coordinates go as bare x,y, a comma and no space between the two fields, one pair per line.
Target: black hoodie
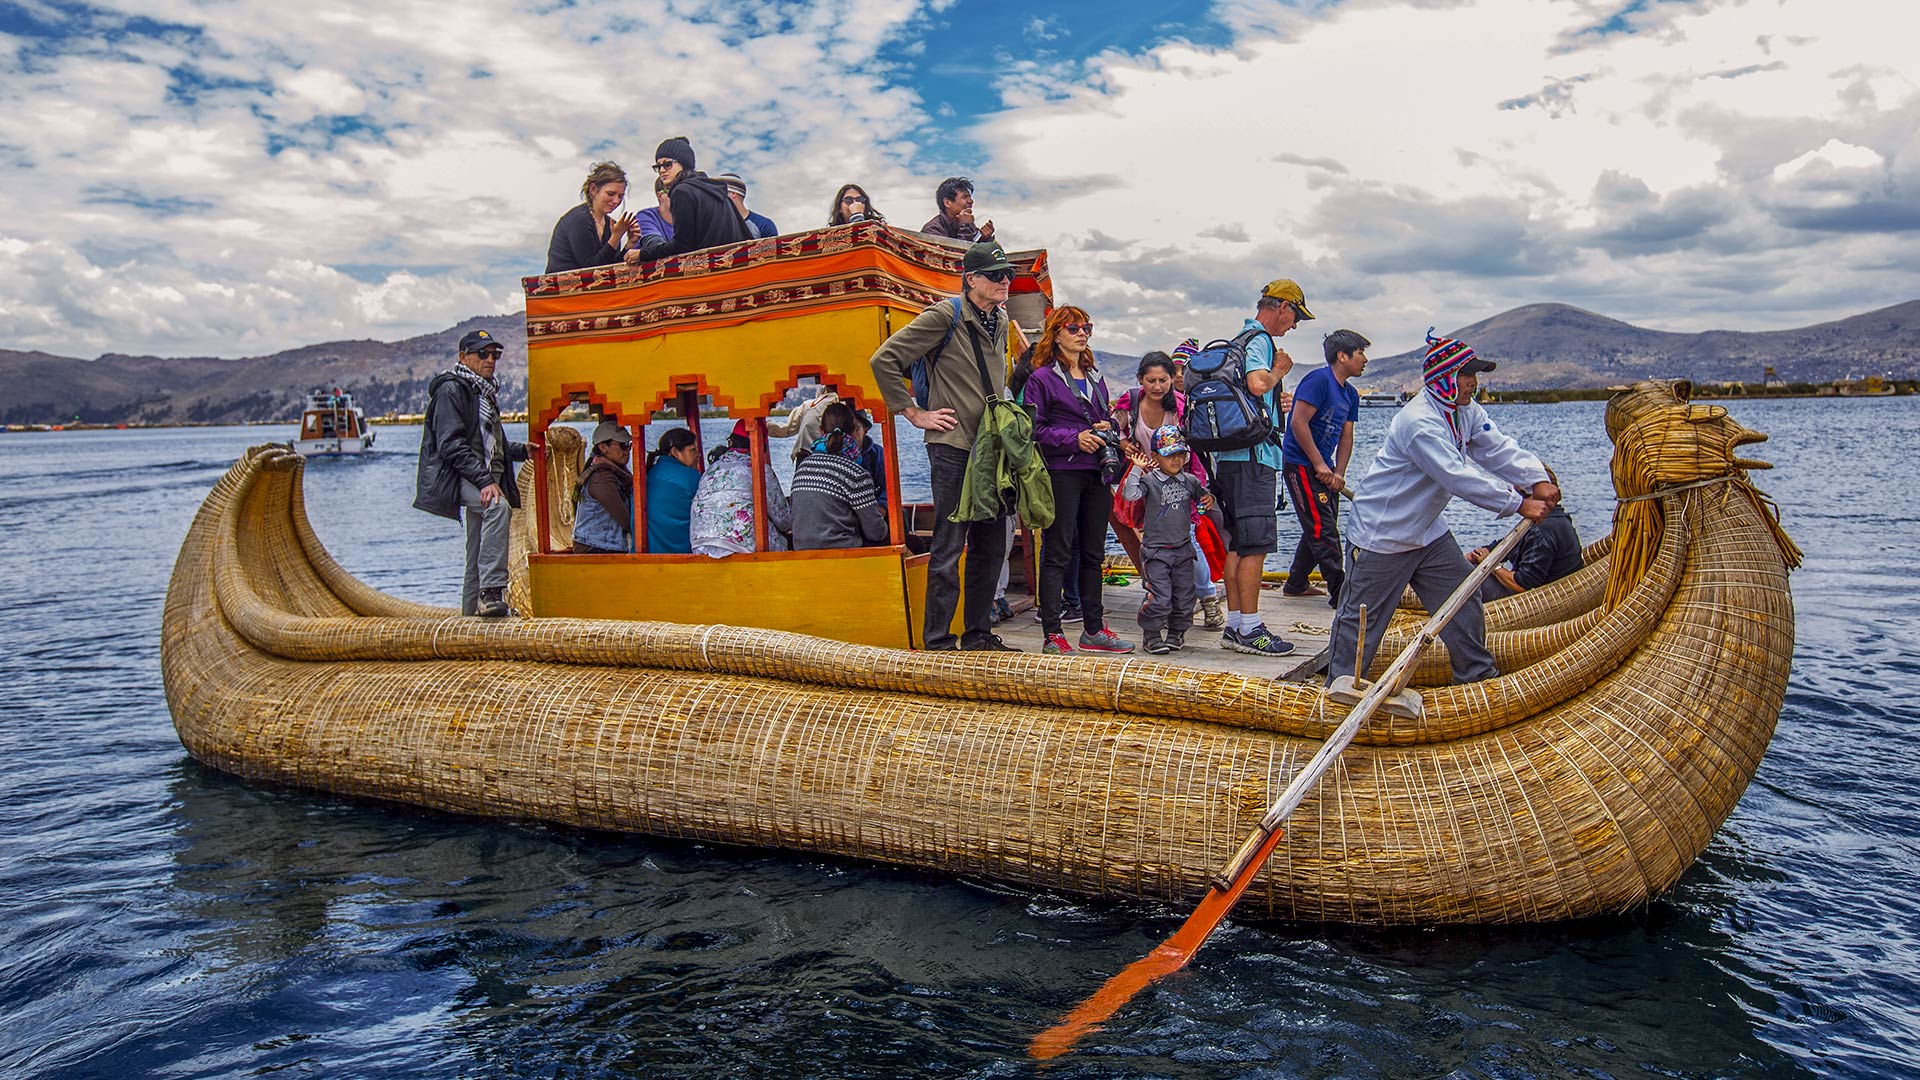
703,217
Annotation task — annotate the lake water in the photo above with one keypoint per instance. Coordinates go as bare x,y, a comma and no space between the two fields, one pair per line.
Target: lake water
160,918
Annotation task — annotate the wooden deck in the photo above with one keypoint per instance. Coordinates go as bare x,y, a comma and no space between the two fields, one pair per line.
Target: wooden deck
1203,650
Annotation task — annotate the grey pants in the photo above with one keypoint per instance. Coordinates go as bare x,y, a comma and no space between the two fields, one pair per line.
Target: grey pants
487,532
1376,580
1169,579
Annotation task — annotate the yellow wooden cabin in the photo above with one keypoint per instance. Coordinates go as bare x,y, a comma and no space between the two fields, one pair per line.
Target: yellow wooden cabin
737,327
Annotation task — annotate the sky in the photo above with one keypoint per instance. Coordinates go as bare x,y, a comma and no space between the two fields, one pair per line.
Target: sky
229,178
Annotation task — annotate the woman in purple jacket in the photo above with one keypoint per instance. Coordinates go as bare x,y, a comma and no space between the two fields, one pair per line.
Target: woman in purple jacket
1071,413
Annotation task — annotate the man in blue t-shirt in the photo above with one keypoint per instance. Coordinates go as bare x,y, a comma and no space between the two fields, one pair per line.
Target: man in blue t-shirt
1247,482
1313,460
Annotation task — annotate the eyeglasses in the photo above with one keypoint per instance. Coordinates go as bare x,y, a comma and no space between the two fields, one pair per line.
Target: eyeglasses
663,166
849,200
1077,327
997,276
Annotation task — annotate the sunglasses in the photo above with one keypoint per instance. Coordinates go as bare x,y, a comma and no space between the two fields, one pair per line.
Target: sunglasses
849,200
491,354
997,275
663,166
1077,327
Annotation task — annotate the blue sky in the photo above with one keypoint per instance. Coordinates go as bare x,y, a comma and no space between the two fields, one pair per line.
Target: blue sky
185,178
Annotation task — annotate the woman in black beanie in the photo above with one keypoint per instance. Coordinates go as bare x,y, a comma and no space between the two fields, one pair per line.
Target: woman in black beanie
703,216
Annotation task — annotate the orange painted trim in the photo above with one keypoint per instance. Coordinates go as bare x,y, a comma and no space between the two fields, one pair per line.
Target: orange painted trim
613,410
821,554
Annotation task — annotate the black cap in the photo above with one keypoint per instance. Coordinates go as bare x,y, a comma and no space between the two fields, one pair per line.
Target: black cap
677,148
475,340
983,256
1475,366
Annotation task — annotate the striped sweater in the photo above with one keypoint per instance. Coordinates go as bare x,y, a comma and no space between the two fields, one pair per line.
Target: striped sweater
834,504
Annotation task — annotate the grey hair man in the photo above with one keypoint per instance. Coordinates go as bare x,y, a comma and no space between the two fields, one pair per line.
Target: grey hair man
957,397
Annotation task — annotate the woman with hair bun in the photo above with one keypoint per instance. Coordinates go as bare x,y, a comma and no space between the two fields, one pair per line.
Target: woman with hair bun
589,235
673,475
834,504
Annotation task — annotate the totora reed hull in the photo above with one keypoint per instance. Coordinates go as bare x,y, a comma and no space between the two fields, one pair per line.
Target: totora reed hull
1639,701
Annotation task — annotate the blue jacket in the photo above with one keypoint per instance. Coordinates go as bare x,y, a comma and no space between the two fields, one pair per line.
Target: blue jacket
670,488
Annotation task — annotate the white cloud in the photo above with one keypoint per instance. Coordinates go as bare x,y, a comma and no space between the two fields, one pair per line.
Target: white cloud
270,173
1420,162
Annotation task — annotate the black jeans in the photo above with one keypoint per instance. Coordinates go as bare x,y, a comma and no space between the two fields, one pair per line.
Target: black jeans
1078,534
1319,512
983,542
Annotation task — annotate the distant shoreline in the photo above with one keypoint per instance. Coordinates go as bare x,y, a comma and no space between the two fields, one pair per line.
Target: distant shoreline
1849,390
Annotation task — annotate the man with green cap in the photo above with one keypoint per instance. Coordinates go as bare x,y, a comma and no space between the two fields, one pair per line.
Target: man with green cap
964,340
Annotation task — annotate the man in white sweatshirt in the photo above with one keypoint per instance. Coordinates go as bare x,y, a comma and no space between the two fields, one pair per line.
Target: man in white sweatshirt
1436,448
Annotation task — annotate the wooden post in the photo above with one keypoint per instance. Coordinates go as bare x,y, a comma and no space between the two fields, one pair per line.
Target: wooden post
690,412
757,440
538,442
896,524
639,429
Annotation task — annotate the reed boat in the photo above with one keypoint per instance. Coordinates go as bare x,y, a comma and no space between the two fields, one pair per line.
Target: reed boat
1639,697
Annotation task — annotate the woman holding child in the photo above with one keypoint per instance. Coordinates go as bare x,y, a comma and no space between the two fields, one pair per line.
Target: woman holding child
1139,413
1071,415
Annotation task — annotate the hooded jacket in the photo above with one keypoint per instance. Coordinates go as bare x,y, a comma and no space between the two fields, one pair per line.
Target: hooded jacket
452,449
703,217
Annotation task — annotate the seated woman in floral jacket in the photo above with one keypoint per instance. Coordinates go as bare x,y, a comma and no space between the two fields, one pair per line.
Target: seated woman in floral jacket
722,514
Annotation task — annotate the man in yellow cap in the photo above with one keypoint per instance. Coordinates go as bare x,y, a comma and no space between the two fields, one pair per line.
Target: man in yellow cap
1247,482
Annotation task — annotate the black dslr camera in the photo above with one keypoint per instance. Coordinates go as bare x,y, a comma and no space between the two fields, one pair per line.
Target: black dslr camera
1113,464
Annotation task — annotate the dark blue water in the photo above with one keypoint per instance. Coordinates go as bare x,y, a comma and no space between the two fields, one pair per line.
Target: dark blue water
159,918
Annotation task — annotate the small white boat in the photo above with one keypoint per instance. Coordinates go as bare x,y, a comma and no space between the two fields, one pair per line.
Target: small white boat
1383,399
332,424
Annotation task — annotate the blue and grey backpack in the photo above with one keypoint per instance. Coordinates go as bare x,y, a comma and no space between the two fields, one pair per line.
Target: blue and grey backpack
1222,414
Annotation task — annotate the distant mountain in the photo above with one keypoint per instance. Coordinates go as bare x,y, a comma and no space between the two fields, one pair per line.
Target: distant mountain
1557,346
1540,346
383,376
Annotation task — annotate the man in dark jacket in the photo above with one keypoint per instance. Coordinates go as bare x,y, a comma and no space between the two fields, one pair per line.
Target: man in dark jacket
466,461
1550,551
703,215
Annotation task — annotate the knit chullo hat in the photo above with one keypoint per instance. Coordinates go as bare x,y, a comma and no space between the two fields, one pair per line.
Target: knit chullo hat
1445,357
677,148
1186,350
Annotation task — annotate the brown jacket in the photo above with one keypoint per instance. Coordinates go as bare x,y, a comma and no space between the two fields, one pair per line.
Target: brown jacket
954,381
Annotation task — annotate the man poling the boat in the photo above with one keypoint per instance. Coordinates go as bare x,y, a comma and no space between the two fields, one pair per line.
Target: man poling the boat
1397,537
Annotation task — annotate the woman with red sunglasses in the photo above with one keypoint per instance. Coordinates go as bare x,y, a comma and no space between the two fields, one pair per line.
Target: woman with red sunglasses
1073,426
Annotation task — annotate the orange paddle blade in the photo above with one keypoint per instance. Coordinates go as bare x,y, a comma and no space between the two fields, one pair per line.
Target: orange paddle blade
1171,955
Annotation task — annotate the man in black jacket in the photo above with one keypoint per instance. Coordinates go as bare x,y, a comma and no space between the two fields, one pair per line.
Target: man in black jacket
703,215
466,461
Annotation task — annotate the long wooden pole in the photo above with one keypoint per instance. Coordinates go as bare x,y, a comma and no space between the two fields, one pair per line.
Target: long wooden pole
1227,887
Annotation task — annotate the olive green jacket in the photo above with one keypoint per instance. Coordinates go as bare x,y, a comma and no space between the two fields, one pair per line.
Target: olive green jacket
954,381
1005,467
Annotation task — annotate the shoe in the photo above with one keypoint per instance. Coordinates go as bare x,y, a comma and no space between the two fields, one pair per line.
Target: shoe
1311,590
1261,642
1160,646
1230,639
1071,614
493,604
1104,640
990,643
1176,642
1001,612
1056,643
1216,619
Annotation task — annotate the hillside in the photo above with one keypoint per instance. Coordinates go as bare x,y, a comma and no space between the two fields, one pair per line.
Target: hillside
383,377
1557,346
1540,346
